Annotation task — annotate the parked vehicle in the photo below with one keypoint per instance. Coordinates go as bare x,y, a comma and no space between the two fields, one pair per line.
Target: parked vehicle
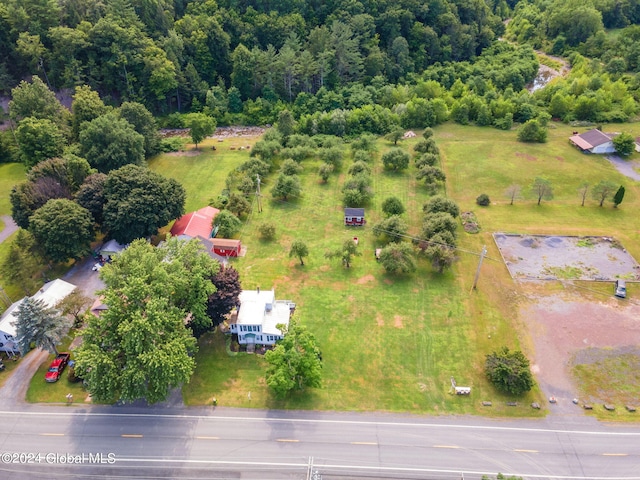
56,367
621,289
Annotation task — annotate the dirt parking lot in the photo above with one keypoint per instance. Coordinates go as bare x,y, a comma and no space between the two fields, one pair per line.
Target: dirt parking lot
566,327
559,257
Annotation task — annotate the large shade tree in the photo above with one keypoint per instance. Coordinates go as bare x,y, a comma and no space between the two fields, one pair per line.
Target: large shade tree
295,362
139,348
38,139
110,142
63,229
139,201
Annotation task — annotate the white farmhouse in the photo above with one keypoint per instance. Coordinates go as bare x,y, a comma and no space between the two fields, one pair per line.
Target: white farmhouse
257,315
51,293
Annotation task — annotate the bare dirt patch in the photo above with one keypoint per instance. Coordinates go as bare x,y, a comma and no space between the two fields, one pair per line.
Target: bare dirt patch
380,320
567,330
397,321
184,153
526,156
544,257
366,279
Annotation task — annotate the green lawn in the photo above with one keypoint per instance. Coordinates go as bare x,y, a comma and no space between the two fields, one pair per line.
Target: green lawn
388,343
203,175
483,160
10,174
42,392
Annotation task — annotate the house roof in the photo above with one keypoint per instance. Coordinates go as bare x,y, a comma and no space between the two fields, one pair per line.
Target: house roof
354,212
112,247
590,139
196,223
51,293
225,242
260,307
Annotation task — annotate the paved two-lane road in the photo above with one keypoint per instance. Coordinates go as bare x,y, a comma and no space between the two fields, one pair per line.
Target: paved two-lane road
227,443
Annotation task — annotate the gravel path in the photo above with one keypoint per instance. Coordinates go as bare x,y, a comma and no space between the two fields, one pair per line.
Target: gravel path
625,167
9,227
14,389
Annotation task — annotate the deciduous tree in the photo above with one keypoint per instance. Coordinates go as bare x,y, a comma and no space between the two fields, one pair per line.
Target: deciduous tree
39,139
36,323
433,177
139,201
295,362
603,190
138,348
228,224
86,106
325,171
74,304
440,203
345,253
22,262
398,258
583,189
513,192
392,228
299,249
36,100
70,171
27,197
200,126
509,371
396,160
91,195
286,186
542,189
143,123
624,144
392,206
109,142
63,229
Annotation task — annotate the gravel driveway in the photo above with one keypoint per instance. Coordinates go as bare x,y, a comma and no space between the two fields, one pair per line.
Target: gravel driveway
625,167
9,227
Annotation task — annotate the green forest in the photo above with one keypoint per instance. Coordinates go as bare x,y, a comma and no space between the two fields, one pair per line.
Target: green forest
342,67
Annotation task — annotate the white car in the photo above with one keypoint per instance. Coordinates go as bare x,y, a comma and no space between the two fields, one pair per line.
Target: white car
97,267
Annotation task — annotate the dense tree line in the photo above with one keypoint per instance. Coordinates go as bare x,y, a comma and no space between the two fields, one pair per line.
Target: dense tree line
168,54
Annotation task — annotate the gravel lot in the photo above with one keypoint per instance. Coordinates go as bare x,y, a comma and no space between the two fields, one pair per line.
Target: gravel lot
557,257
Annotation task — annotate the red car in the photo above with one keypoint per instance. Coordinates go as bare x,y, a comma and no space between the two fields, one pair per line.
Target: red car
56,367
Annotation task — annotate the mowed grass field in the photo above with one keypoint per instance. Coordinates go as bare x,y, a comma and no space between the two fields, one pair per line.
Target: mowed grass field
388,343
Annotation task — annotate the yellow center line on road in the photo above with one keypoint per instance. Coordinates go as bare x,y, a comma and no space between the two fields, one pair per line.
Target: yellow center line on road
446,446
131,435
615,454
52,434
522,450
290,440
364,443
208,438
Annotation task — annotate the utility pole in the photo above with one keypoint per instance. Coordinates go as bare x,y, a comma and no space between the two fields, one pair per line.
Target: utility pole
482,254
258,193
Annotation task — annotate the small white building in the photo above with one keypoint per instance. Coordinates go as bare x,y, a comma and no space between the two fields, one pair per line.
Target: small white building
51,294
594,141
257,315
